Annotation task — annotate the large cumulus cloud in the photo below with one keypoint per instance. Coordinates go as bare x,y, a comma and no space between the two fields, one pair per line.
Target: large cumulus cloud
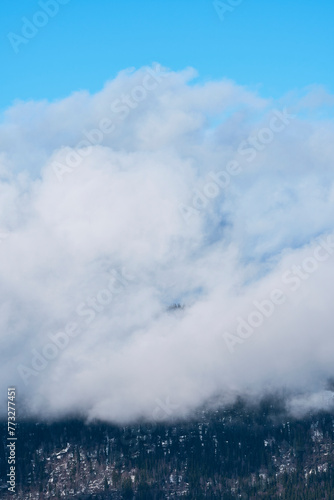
159,190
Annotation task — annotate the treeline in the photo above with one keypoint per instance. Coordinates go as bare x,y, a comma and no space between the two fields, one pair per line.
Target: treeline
240,452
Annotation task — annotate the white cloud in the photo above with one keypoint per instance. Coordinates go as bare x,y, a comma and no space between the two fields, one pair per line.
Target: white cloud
119,211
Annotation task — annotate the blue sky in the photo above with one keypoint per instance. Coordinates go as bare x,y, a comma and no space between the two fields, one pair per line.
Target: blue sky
273,46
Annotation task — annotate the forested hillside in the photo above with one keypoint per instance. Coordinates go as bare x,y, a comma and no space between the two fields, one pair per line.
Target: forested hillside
240,452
